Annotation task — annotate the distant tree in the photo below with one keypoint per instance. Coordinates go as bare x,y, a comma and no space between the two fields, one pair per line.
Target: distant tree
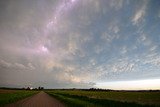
28,88
39,88
42,88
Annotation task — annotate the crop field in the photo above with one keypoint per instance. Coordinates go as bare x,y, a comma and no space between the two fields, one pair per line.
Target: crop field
82,98
10,96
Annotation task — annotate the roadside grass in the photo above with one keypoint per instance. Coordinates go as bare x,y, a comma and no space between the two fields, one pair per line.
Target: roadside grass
10,97
71,102
111,99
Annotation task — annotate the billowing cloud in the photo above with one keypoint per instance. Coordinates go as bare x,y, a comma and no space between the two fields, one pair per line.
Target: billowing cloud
140,13
15,65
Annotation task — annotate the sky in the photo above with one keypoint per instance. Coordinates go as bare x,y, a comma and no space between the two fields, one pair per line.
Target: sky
112,44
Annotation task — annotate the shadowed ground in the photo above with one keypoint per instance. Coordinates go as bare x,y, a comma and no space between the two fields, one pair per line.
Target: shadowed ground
39,100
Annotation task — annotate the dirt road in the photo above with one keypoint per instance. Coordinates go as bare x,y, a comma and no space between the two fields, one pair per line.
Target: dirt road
39,100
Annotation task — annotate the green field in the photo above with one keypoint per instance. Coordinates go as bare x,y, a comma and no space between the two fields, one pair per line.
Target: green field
103,98
81,98
10,96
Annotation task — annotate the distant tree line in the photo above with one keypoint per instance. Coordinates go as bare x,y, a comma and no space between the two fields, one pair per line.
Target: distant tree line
30,88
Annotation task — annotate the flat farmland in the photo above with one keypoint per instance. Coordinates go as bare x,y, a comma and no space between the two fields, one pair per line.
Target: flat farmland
80,98
6,91
10,96
107,98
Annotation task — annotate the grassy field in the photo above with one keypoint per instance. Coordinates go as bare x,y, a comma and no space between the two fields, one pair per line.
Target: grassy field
110,99
10,96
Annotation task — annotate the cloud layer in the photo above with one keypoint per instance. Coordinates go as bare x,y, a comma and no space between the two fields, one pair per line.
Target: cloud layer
66,44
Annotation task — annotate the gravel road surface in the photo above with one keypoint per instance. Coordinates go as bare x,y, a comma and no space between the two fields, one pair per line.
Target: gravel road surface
39,100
